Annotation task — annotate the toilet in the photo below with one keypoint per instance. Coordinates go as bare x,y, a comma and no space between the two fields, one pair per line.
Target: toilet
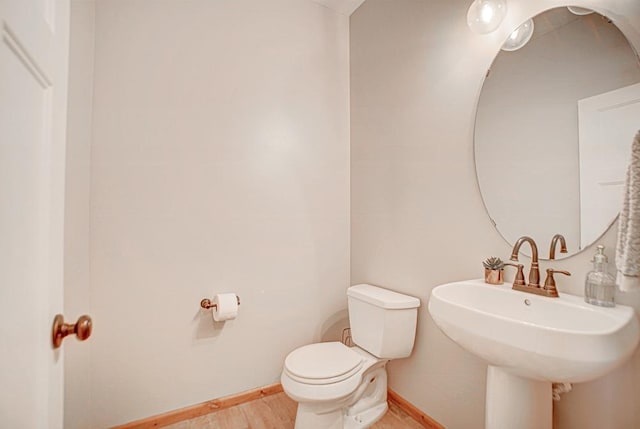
340,387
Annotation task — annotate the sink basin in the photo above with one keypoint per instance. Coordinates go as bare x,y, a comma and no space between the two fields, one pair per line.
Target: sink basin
556,339
531,341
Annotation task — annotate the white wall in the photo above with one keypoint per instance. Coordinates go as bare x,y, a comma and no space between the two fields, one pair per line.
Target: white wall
219,162
77,356
417,216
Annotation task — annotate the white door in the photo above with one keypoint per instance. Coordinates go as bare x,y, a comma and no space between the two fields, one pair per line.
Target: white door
607,124
33,88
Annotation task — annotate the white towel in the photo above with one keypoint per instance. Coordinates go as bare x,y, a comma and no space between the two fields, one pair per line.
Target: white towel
628,248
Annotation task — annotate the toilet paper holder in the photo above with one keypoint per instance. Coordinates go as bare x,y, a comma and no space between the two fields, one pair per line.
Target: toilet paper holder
207,304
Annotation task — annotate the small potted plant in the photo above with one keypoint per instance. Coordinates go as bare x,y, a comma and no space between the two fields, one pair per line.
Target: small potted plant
493,271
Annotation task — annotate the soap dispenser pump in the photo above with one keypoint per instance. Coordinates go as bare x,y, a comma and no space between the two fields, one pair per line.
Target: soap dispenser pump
600,286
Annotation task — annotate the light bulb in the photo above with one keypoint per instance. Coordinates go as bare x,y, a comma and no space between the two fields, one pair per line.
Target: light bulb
519,37
484,16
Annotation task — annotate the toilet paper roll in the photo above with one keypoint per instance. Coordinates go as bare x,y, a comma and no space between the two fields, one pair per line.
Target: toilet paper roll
226,307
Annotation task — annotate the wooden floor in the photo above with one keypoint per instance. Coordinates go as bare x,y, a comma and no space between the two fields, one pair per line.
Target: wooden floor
278,412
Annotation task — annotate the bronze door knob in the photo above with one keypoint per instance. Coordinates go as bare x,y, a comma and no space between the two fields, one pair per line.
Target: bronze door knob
82,329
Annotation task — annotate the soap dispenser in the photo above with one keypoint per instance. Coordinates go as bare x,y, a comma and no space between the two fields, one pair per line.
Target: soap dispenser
600,286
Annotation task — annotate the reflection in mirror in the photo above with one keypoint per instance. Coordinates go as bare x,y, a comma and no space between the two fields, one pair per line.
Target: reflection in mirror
554,127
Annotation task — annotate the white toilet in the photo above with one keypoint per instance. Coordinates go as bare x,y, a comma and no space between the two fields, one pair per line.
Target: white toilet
340,387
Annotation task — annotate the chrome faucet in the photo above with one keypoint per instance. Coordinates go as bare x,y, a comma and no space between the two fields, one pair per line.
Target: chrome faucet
554,244
534,272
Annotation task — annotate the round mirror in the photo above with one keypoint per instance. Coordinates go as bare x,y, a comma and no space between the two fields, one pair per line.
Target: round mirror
554,127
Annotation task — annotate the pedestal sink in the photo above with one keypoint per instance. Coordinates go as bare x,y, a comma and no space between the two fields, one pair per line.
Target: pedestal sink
531,342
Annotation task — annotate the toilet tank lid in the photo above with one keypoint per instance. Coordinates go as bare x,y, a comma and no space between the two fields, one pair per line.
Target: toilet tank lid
382,298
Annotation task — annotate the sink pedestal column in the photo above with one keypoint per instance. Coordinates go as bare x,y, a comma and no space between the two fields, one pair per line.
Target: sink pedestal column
517,402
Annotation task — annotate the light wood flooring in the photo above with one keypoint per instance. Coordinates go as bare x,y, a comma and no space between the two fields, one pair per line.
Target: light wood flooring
278,412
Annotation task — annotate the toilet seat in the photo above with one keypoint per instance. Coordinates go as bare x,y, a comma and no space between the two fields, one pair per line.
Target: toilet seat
322,363
325,363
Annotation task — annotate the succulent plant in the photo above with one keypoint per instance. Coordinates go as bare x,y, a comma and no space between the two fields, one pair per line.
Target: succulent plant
493,263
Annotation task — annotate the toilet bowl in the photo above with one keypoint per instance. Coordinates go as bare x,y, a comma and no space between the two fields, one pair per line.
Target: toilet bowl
329,379
340,387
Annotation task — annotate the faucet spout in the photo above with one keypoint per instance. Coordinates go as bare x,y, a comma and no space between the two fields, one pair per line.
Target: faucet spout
554,244
534,272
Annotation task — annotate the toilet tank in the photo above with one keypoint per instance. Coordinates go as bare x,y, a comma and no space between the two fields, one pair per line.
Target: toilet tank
382,322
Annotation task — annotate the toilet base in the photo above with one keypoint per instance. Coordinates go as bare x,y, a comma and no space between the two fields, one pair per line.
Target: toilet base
366,418
338,420
359,410
307,419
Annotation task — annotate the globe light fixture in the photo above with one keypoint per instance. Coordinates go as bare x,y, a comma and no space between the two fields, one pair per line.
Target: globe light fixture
519,37
484,16
579,10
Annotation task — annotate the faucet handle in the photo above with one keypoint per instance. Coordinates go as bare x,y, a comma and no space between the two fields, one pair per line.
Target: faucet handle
550,282
519,279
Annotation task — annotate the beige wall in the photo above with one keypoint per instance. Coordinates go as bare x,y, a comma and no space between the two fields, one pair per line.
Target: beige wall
219,162
417,216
